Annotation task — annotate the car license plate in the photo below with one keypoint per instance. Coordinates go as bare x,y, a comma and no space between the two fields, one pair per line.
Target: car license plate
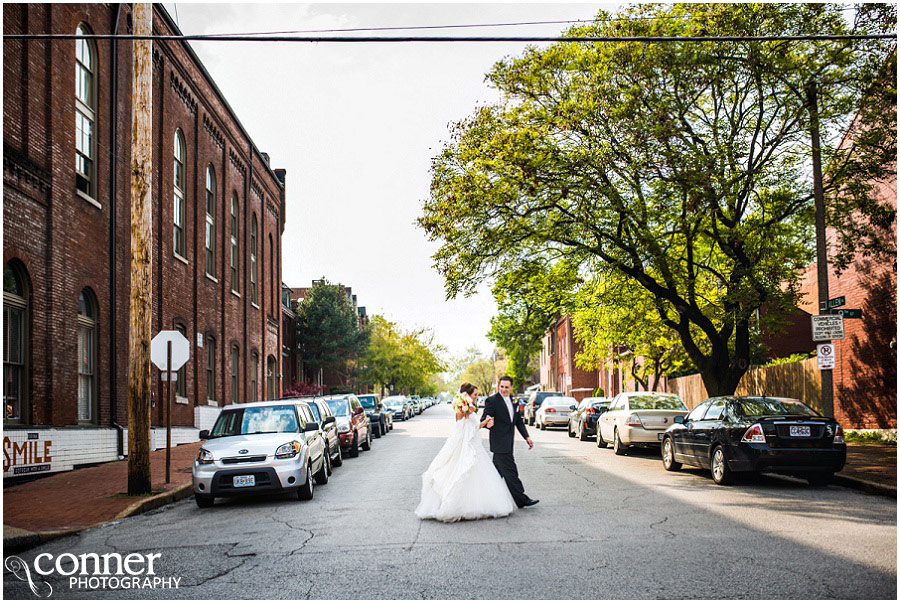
243,481
800,431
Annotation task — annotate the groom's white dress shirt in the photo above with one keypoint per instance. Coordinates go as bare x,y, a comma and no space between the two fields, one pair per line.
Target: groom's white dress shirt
509,406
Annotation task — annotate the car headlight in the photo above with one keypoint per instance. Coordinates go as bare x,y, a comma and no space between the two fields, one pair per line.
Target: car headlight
287,451
343,427
204,457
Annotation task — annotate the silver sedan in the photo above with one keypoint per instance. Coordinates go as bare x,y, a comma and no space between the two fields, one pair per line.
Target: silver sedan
554,412
638,418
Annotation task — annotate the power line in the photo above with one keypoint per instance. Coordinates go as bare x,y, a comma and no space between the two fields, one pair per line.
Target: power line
369,39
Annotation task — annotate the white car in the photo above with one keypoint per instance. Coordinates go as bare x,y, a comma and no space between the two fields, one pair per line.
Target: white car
261,447
638,418
554,412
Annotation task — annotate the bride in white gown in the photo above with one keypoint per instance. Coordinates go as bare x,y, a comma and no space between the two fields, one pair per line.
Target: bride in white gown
462,482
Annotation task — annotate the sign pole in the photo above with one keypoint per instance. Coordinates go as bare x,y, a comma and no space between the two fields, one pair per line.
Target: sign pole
168,409
821,242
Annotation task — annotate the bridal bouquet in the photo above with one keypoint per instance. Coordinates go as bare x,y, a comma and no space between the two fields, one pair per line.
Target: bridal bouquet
462,404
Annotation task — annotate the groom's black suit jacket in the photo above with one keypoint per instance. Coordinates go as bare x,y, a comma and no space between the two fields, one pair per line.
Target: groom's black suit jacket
502,434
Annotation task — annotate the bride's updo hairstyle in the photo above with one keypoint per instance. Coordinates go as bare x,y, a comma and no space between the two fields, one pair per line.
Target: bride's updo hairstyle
467,388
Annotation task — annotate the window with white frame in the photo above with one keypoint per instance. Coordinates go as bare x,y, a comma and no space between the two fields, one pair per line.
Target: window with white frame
235,286
15,338
85,113
254,240
210,344
178,234
181,383
210,221
87,356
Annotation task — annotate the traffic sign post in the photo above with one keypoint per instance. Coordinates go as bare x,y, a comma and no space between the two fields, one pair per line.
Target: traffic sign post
169,350
825,357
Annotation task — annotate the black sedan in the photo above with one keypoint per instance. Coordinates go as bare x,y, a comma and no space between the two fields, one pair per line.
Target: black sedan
732,434
583,420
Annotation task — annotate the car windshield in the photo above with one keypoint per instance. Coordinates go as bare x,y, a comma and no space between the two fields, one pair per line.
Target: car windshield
256,419
339,407
367,401
655,402
758,407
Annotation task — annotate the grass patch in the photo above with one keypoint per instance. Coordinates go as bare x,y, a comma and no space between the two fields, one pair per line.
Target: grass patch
886,437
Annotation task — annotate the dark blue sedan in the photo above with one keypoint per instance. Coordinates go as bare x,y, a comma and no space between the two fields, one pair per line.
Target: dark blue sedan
731,434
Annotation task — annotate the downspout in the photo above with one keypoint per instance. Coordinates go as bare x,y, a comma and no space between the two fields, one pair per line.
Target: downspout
114,136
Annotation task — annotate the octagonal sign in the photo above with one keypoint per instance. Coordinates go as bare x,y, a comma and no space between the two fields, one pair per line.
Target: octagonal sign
181,350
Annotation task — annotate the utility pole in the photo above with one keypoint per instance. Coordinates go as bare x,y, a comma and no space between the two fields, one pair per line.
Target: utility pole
821,242
141,305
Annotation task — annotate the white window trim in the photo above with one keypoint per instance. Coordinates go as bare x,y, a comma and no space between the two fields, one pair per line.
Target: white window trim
180,258
88,198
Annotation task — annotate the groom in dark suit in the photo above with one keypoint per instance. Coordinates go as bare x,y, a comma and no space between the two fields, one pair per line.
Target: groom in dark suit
504,416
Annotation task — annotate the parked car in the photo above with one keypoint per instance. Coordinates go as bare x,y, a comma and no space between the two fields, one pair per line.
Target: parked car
583,420
638,419
554,412
534,403
321,411
480,401
274,446
416,406
399,406
352,422
521,399
381,419
732,434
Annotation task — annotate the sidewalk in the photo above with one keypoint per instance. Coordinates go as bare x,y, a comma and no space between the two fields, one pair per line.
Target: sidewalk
66,502
53,506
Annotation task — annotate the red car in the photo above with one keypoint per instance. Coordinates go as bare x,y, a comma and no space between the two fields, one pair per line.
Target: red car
352,423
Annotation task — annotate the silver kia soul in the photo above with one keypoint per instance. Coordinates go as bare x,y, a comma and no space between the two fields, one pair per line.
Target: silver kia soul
275,446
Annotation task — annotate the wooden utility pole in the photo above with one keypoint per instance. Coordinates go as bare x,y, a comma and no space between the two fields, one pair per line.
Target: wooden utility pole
141,306
821,241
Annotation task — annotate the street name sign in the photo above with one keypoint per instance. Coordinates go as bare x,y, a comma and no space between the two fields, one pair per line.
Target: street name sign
825,356
848,312
181,350
837,302
826,327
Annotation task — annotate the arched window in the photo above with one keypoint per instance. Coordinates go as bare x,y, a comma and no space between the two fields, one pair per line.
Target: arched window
181,383
270,378
254,372
87,356
210,221
15,344
179,194
254,236
235,367
210,344
85,113
234,244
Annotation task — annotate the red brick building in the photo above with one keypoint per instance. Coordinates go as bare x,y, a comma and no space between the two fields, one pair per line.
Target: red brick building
218,216
557,363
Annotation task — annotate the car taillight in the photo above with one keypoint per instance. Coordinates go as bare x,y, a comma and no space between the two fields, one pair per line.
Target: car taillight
839,435
754,435
589,410
634,421
550,410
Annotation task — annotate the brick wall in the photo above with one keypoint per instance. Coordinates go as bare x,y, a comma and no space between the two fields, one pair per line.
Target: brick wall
65,243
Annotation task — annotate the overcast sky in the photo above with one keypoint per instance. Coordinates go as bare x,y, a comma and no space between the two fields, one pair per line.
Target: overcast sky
355,126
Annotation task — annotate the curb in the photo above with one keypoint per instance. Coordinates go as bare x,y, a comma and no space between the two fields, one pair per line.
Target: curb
865,485
26,540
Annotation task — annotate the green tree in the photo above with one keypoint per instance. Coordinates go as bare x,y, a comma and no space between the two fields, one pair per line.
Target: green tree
398,361
482,374
328,331
681,166
529,296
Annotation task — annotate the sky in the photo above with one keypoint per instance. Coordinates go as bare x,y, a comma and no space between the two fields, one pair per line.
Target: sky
356,127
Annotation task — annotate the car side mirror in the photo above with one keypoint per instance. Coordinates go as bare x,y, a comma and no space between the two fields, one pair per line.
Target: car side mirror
573,407
311,426
204,434
679,419
329,420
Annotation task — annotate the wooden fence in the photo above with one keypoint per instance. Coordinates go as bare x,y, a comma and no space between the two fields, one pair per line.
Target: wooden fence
801,380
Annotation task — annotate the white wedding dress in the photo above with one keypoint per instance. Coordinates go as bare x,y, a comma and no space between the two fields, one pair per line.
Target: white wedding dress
462,482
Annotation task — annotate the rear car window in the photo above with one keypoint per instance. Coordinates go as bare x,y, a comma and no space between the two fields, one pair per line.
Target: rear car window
649,402
760,407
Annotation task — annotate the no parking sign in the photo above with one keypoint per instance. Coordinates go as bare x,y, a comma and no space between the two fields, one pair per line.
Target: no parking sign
825,357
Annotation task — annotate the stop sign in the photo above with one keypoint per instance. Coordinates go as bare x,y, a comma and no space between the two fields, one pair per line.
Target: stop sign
181,350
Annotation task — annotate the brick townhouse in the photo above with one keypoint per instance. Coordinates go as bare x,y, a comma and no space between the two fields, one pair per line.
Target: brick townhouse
218,217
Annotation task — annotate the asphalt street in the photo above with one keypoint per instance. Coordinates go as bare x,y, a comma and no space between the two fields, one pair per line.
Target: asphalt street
606,527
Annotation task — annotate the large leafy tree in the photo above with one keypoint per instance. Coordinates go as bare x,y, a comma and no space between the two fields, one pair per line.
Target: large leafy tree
529,296
401,361
682,167
328,330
